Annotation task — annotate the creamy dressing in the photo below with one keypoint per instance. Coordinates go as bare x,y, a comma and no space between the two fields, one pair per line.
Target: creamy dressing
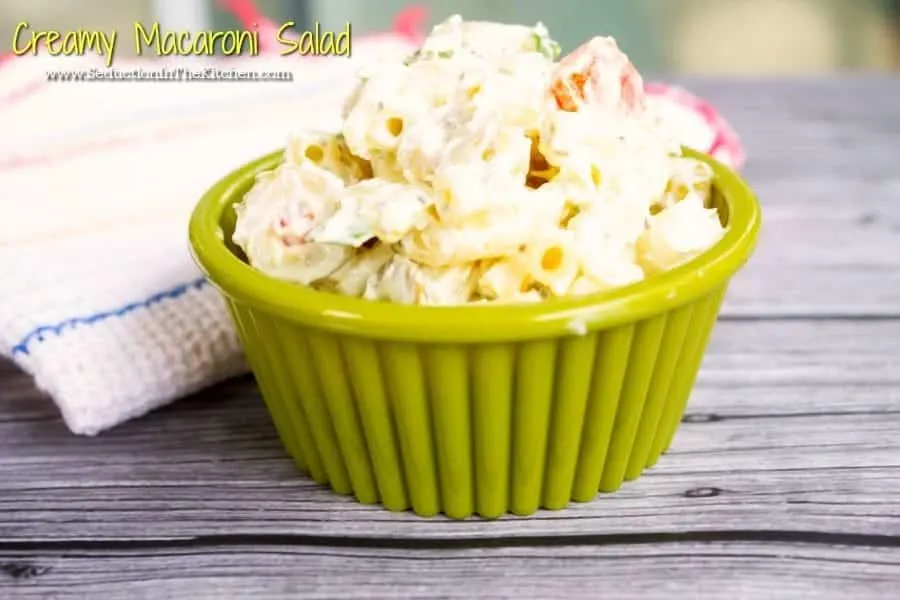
481,169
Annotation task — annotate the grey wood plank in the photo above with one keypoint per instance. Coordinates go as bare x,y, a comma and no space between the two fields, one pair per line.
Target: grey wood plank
823,161
792,428
710,570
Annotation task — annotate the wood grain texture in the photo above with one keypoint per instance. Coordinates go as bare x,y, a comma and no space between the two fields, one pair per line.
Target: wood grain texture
783,482
793,427
823,161
719,570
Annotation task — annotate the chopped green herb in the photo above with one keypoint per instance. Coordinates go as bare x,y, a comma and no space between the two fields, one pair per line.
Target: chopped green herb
430,54
555,50
412,57
545,292
545,46
351,237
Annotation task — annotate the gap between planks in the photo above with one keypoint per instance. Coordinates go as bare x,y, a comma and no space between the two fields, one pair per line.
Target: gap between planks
710,570
458,543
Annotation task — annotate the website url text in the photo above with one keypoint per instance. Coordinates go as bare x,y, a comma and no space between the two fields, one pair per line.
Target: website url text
179,74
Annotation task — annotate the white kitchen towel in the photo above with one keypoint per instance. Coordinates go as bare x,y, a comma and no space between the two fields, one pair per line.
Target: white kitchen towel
99,299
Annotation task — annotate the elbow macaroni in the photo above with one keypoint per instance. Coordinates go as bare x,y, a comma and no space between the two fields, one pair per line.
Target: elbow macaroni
460,176
678,234
552,262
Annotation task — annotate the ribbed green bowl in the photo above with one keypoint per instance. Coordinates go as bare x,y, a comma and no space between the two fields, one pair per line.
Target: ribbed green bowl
475,409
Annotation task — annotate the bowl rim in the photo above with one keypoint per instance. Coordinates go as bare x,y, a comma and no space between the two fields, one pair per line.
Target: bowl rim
552,318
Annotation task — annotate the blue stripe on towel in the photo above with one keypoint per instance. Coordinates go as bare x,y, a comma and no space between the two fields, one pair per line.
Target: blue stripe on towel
39,334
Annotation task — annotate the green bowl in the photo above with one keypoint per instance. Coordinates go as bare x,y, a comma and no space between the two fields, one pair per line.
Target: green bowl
476,409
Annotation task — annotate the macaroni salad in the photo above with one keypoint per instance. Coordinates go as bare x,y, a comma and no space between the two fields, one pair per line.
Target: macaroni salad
483,169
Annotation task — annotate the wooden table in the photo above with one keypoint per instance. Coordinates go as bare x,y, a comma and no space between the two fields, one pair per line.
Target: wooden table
784,481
